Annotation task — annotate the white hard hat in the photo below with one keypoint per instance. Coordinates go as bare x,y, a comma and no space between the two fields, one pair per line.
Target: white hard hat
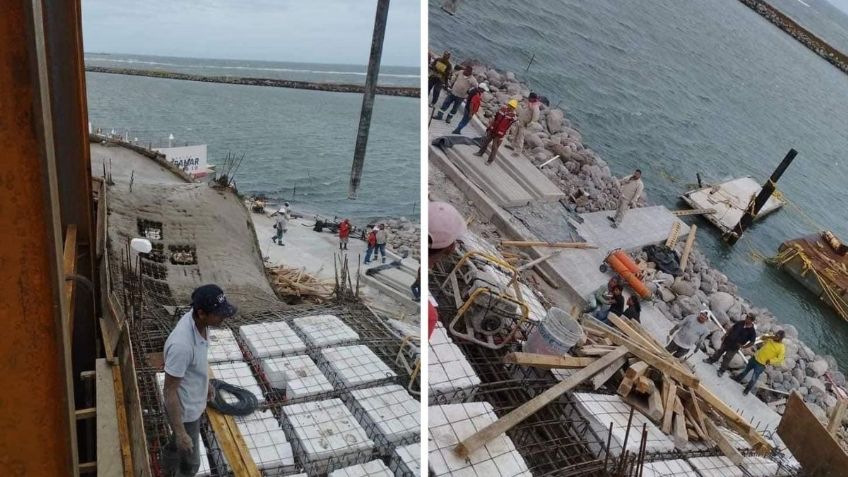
484,87
445,224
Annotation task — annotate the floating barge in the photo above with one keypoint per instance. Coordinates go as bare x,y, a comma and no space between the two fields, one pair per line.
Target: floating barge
729,200
820,263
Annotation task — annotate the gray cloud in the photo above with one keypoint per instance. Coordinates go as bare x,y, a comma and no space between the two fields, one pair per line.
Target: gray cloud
326,31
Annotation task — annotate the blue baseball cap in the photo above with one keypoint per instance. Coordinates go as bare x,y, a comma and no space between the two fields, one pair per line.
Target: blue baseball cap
211,299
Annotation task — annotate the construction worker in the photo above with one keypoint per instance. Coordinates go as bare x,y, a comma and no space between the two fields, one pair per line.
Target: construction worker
772,353
281,224
344,233
461,83
740,336
529,112
497,129
187,388
614,304
631,189
372,245
472,105
382,237
691,332
440,71
416,286
445,226
634,308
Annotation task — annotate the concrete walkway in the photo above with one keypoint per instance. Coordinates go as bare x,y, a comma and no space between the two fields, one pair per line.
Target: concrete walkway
387,292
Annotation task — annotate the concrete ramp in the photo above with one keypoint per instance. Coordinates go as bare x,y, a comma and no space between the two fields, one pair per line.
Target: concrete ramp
492,178
580,269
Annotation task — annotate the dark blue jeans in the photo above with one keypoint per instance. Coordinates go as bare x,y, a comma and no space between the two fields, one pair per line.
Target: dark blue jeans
380,249
757,368
456,101
368,253
466,118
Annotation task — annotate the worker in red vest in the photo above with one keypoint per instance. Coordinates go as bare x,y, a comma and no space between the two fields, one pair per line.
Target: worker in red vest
497,129
472,105
372,245
344,233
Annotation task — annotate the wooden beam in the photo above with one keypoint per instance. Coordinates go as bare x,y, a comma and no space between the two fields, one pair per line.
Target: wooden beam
655,406
507,422
625,387
108,454
673,234
537,261
696,411
679,435
684,212
722,442
671,396
644,385
687,249
747,431
835,421
87,413
636,369
545,361
605,374
69,267
671,369
123,424
531,243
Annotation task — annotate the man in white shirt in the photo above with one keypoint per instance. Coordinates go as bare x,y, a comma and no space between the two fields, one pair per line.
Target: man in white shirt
631,189
462,82
187,386
528,113
691,331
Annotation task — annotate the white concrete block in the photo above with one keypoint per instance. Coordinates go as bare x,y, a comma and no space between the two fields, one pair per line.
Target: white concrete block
223,346
355,365
326,430
667,468
451,423
238,374
298,375
325,330
266,441
448,369
390,411
272,339
406,460
760,466
374,468
719,466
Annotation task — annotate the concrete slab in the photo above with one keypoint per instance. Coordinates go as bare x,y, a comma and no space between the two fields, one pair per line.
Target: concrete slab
325,434
601,409
668,468
449,373
267,443
271,339
519,168
389,414
729,199
492,178
223,346
451,423
374,468
123,163
239,374
324,330
719,466
299,376
406,461
351,366
579,269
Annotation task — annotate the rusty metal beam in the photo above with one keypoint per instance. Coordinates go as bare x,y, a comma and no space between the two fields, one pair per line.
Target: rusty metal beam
39,436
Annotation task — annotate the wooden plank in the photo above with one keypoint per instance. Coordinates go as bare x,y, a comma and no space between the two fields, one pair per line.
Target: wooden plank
693,422
625,387
507,422
655,406
644,385
69,267
86,413
684,377
537,261
679,435
687,249
835,421
696,411
642,405
685,212
109,459
637,369
722,442
545,361
673,235
669,407
232,443
747,431
530,243
818,451
602,377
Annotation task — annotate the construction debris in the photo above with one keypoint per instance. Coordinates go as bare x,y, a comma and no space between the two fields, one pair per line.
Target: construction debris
294,282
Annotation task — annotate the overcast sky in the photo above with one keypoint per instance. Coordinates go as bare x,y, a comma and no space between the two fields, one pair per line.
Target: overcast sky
317,31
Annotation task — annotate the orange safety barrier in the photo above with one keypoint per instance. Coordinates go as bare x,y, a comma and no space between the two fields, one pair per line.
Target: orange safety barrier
626,272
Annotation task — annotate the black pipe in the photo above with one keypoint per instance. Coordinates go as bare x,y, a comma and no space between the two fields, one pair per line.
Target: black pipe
767,190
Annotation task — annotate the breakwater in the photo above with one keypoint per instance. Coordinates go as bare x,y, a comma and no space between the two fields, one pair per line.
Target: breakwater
804,36
276,83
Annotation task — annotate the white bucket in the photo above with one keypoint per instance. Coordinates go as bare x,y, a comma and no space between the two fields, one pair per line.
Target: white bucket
555,335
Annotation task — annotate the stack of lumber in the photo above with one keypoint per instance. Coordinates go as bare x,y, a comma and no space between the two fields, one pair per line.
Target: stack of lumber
289,282
649,378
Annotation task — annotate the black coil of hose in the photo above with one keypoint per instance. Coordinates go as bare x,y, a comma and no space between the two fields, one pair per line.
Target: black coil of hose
247,402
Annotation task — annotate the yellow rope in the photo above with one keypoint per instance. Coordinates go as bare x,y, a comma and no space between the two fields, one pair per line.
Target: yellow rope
824,278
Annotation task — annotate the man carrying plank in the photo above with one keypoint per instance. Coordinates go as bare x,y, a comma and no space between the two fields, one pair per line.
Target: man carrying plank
740,336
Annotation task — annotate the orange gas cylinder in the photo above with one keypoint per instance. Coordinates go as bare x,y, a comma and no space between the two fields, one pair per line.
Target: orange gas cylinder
631,277
628,262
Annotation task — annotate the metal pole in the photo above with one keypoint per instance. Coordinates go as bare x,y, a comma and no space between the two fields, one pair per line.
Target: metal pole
530,63
766,192
368,97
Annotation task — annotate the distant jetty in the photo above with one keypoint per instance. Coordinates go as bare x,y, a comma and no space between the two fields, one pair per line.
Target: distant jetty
277,83
804,36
